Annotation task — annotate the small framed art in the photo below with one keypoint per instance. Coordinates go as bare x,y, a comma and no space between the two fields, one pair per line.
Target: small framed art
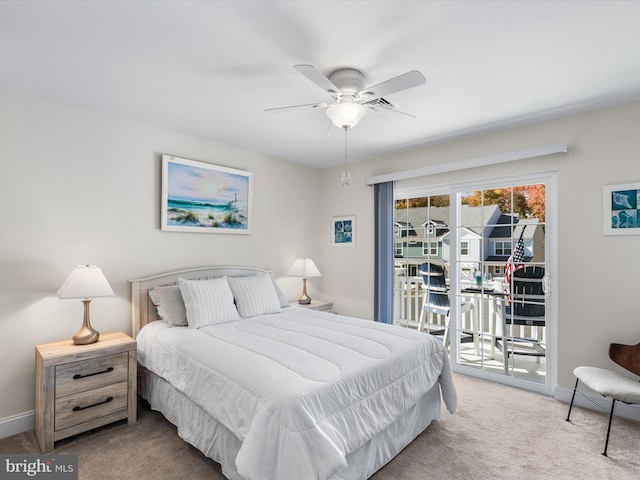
201,197
621,209
343,231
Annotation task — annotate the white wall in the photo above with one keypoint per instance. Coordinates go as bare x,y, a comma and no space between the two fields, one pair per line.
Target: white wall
347,272
597,274
79,187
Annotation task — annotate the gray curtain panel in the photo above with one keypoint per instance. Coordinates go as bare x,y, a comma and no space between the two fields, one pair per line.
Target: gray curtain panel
383,301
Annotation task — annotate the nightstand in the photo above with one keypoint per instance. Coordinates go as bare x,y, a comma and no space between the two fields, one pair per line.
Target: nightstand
316,305
81,387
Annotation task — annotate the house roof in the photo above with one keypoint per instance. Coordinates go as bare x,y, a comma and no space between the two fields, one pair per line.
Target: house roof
420,215
512,226
472,217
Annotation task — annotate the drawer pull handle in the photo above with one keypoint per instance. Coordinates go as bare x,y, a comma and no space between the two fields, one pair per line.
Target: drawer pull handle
78,376
78,408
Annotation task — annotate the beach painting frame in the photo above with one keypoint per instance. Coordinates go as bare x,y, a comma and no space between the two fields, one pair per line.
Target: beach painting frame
343,231
621,209
205,198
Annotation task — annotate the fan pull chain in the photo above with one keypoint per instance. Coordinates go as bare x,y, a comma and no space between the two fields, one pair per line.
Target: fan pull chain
346,176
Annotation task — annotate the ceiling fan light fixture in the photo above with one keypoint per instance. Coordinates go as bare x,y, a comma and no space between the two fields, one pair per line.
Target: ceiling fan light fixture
346,114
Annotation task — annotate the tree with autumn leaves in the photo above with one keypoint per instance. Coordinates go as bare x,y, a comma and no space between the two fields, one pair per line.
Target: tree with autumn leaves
528,201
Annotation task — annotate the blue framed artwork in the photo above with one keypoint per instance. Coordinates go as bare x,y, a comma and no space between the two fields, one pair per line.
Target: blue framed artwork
343,231
621,209
205,198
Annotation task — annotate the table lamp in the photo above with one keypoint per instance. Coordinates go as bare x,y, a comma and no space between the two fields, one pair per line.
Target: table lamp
305,268
85,282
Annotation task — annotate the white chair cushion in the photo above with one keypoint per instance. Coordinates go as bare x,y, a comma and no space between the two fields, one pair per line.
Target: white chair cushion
609,383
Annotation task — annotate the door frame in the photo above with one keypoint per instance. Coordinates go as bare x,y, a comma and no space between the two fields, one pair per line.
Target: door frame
453,189
549,178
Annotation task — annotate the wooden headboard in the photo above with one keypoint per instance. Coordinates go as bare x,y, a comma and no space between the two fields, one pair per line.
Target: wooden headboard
143,311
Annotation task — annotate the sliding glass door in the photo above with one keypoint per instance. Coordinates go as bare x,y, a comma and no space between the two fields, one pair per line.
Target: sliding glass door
473,265
420,226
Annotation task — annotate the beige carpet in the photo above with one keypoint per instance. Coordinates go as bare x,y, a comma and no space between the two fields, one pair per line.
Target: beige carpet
498,433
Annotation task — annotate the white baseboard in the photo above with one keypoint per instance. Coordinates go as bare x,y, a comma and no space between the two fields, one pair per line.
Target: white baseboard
15,424
563,394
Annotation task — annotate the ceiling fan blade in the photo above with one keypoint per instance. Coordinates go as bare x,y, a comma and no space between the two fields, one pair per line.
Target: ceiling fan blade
313,74
402,82
389,109
306,105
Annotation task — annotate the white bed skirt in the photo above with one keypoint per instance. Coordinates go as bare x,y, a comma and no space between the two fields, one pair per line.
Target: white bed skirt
214,440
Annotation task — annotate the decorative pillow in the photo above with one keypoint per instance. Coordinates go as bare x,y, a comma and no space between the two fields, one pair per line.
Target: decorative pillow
281,298
255,295
169,304
208,302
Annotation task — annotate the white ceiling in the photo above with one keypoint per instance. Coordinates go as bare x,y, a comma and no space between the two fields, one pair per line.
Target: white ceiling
211,68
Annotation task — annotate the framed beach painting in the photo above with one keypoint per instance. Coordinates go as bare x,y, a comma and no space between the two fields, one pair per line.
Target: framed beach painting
201,197
343,231
621,209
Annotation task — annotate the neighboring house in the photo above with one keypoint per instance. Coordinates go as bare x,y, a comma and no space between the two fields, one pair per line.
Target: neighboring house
419,234
502,239
486,237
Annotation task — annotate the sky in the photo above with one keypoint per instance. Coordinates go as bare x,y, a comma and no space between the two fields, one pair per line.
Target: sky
188,182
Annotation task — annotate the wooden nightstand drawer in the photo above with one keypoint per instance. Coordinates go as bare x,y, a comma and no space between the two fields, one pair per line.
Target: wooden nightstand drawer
84,406
89,374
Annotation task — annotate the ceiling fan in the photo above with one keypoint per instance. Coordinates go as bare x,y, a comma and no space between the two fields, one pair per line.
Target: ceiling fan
351,100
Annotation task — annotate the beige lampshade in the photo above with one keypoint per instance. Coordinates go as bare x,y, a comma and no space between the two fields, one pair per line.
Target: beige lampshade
305,268
85,281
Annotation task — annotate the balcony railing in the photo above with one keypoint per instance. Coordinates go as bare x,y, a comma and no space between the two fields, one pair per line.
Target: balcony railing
483,324
407,301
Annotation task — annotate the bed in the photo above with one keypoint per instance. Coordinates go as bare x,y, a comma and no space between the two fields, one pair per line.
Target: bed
276,392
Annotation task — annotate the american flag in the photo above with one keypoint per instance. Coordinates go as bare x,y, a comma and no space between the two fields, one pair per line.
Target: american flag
514,262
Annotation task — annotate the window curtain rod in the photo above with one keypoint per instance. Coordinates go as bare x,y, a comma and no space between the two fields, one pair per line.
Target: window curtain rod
493,159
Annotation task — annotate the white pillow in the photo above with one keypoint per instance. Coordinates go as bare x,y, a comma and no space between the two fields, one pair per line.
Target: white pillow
169,305
208,302
255,295
281,298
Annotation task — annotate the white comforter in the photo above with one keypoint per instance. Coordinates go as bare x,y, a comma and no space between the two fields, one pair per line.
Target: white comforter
301,389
